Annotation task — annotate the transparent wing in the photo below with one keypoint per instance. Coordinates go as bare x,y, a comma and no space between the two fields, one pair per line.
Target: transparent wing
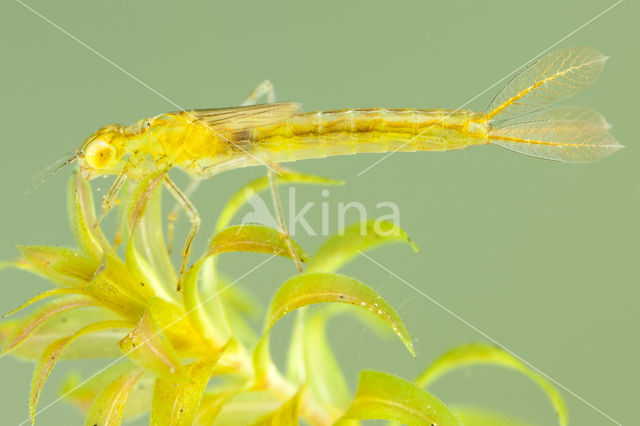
555,114
236,119
548,80
568,134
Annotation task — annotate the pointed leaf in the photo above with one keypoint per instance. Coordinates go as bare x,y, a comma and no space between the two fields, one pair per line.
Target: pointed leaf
265,371
261,184
148,346
177,403
141,195
386,397
113,287
82,391
52,353
21,333
296,368
286,415
481,353
143,272
210,407
62,266
246,408
149,242
95,345
339,249
324,375
83,218
44,295
163,331
208,315
109,406
307,289
252,238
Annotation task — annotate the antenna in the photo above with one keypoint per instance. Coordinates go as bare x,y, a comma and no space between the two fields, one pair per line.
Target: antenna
55,170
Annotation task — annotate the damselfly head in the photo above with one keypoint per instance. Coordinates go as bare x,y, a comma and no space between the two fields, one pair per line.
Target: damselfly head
101,151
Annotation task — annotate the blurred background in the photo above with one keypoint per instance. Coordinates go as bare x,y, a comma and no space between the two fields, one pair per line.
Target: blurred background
541,256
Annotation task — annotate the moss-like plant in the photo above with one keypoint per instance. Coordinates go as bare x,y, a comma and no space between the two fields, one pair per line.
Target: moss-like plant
193,357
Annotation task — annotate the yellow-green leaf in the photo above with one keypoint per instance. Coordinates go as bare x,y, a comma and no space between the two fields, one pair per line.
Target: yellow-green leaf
141,195
383,396
261,184
265,371
143,273
324,375
52,353
340,249
149,242
114,288
252,238
481,353
246,408
62,266
82,390
286,415
208,315
108,407
307,289
83,218
44,295
148,346
94,345
176,404
210,407
36,319
296,368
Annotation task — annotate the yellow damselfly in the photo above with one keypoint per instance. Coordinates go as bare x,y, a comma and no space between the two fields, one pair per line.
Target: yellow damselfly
204,143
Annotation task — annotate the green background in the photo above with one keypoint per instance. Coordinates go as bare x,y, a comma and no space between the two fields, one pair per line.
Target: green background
543,257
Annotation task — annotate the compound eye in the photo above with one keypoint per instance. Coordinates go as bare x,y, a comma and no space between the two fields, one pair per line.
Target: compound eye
100,154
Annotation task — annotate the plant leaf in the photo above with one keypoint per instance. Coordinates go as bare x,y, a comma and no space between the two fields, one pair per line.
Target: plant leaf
210,407
36,319
324,375
83,217
307,289
296,368
252,238
82,390
286,415
246,408
148,345
52,353
43,295
113,287
339,249
141,194
208,315
261,184
177,403
143,272
481,353
149,242
62,266
265,371
94,345
387,397
109,406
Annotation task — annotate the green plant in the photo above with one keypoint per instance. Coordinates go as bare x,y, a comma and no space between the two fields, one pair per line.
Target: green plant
192,357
